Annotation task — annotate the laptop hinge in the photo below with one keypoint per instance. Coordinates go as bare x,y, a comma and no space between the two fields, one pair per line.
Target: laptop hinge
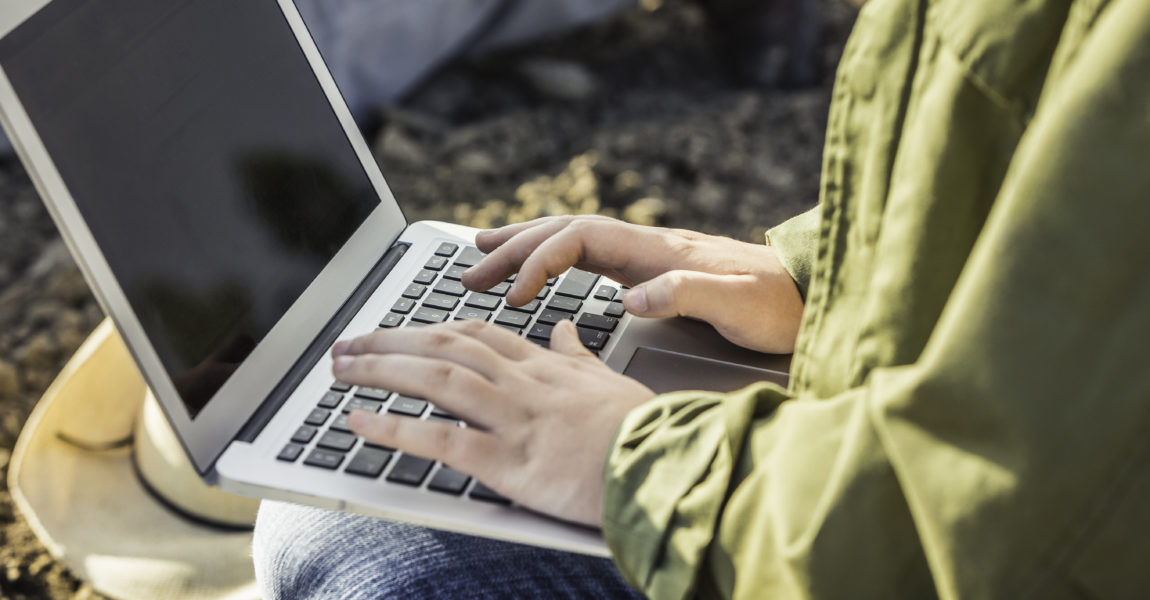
263,415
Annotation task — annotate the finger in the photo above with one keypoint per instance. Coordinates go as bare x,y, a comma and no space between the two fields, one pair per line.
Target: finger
506,259
599,245
565,340
463,448
685,293
490,239
439,341
456,389
506,343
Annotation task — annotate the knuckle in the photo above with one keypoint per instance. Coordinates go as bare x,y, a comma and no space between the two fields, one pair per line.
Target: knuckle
444,443
470,328
439,339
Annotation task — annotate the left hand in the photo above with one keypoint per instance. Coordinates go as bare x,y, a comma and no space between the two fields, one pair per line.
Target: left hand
540,422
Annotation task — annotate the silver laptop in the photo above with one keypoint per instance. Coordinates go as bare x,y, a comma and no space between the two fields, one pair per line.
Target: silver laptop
211,183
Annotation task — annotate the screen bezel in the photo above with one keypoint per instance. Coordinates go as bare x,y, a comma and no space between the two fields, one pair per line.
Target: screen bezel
205,437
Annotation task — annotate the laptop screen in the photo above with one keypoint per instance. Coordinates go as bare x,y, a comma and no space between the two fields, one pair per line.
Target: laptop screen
206,160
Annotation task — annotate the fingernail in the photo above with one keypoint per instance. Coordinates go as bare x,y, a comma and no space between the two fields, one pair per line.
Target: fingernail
341,363
636,300
340,348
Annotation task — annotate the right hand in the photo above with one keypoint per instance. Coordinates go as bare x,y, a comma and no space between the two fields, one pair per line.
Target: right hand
739,288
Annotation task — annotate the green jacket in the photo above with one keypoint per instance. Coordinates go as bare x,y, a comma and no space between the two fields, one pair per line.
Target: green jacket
969,409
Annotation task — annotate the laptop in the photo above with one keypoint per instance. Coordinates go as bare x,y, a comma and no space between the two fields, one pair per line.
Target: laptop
214,189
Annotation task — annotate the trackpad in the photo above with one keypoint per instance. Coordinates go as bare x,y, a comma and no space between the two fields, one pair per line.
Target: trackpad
664,371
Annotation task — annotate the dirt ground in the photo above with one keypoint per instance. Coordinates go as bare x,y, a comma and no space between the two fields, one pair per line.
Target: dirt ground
632,117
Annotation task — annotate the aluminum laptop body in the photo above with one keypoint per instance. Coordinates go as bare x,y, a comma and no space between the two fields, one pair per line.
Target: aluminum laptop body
214,189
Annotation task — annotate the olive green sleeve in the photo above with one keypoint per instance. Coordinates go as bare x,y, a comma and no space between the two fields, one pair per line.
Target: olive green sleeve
1007,461
795,242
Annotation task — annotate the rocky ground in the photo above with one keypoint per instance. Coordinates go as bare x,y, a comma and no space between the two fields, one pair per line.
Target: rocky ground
632,118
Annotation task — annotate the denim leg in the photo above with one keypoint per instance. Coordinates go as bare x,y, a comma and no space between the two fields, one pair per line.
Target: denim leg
304,553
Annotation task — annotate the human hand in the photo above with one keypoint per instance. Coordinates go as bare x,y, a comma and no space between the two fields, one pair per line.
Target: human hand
540,422
741,289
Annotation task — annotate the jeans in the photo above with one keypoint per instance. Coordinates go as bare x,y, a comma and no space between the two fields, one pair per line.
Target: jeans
306,553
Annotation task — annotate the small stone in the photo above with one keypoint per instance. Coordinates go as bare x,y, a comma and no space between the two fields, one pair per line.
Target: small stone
646,211
477,162
559,79
395,146
628,182
39,352
9,380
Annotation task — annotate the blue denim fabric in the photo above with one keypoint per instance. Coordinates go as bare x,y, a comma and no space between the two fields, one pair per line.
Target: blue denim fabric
305,553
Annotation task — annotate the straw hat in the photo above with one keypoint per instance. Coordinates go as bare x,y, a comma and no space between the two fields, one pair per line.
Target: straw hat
105,485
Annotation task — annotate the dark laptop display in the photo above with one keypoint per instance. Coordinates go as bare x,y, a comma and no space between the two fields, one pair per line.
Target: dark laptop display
250,198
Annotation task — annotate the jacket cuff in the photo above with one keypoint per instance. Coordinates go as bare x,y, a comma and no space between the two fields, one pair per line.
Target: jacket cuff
665,483
796,243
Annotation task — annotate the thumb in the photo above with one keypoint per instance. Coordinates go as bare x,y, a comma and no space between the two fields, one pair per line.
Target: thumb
565,340
679,293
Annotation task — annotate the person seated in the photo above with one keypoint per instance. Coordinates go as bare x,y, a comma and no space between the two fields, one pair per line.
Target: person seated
968,405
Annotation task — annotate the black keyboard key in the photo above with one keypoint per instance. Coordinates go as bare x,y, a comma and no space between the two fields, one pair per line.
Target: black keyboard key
391,320
615,309
441,301
371,444
368,462
472,314
317,417
552,281
340,386
363,404
340,424
543,293
325,459
424,277
426,314
454,272
599,322
336,440
442,414
593,339
407,406
414,324
330,400
447,249
577,284
373,393
435,263
551,317
486,494
415,291
606,292
451,288
540,331
571,305
290,452
403,306
304,434
512,328
449,481
531,307
513,319
409,470
484,301
470,257
500,289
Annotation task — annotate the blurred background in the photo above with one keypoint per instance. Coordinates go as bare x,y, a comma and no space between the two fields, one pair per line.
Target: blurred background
667,112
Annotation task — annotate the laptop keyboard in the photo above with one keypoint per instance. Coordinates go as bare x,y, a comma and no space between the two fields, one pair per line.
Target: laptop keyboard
435,295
